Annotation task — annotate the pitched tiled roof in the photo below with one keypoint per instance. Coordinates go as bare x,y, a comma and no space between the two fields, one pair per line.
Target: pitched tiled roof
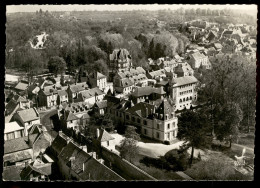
21,86
62,92
10,107
11,173
142,91
105,136
28,114
126,82
184,80
91,93
101,104
71,117
78,87
157,73
14,145
28,170
48,90
12,126
159,91
68,151
217,45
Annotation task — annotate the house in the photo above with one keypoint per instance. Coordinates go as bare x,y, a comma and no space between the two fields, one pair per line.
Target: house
91,96
15,103
217,46
212,36
197,59
74,91
100,107
17,152
69,120
21,87
105,139
48,96
146,94
75,163
97,79
62,96
183,69
26,118
123,85
157,75
156,122
32,173
13,130
120,60
183,91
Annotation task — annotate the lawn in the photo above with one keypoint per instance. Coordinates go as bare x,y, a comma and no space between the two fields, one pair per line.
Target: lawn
157,173
247,140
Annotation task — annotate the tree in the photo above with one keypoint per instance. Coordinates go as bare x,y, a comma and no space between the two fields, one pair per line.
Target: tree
128,146
193,128
56,65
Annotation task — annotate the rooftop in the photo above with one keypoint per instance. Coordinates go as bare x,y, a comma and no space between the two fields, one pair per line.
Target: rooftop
28,114
12,126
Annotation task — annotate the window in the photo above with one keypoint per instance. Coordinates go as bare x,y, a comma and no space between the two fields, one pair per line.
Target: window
145,122
173,124
168,126
107,143
71,121
138,120
180,101
157,135
127,117
168,135
158,126
133,119
145,131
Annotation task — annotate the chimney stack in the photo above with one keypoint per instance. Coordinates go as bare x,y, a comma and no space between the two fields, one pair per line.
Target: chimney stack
97,133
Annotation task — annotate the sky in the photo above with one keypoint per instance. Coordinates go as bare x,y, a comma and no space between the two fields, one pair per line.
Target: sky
33,8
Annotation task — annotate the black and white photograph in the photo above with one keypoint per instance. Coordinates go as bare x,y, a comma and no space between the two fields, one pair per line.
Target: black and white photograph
130,92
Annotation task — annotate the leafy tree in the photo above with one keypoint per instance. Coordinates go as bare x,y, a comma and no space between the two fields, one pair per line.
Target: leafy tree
193,128
56,65
128,148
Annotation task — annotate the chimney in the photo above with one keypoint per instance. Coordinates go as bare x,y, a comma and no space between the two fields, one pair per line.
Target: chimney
97,133
83,167
84,148
94,155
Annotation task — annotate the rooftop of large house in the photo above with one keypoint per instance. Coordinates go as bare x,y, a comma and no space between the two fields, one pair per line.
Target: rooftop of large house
28,114
25,173
12,105
62,93
184,80
101,104
91,93
97,75
126,82
197,56
78,87
49,90
141,109
12,126
15,145
157,73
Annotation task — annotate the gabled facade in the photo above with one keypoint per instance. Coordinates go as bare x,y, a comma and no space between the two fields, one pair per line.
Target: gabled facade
48,96
97,79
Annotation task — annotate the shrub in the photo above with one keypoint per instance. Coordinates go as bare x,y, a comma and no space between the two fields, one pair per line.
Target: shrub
166,142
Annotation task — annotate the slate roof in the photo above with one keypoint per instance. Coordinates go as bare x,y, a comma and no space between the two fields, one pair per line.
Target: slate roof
165,108
59,143
48,90
227,32
217,45
105,136
11,106
28,114
142,91
12,126
140,109
68,151
21,86
112,99
184,80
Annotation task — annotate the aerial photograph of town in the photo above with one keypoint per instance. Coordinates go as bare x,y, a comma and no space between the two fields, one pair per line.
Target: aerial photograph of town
130,92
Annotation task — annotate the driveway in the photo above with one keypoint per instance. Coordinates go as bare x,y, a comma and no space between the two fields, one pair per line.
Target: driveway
150,149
